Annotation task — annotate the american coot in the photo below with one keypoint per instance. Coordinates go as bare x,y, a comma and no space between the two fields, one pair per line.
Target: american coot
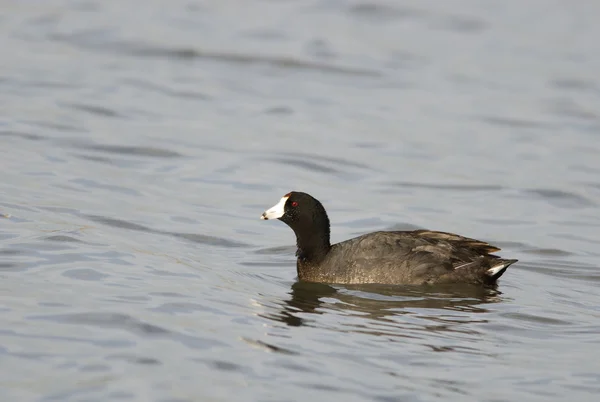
391,257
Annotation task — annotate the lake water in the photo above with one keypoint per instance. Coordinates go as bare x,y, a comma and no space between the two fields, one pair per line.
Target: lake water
141,141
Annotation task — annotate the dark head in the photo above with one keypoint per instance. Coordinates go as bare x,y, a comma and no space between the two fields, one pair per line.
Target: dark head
307,218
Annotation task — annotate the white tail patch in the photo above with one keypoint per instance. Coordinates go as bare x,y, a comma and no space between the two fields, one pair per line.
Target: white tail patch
493,271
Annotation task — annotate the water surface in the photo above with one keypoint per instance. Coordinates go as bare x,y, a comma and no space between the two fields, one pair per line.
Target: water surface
141,142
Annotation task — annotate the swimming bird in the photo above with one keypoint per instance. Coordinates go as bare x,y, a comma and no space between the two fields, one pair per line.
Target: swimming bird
416,257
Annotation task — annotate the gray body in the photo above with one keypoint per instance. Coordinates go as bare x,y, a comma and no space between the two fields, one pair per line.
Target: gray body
414,257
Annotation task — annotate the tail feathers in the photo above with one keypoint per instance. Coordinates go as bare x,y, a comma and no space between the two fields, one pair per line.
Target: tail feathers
497,270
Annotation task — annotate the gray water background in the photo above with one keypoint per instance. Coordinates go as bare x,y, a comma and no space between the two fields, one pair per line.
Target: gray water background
141,141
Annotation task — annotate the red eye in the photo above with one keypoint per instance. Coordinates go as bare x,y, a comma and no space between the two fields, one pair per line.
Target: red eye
294,204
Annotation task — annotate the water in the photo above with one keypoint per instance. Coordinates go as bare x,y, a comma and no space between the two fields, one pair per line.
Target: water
141,142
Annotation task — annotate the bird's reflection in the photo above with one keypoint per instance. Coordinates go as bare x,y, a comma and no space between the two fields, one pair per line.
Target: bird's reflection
381,302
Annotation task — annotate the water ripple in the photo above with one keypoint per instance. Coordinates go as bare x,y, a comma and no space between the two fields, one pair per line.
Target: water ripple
101,111
193,237
130,324
561,198
129,150
140,49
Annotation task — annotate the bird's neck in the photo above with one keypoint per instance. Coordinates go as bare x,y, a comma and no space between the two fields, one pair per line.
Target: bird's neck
313,246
